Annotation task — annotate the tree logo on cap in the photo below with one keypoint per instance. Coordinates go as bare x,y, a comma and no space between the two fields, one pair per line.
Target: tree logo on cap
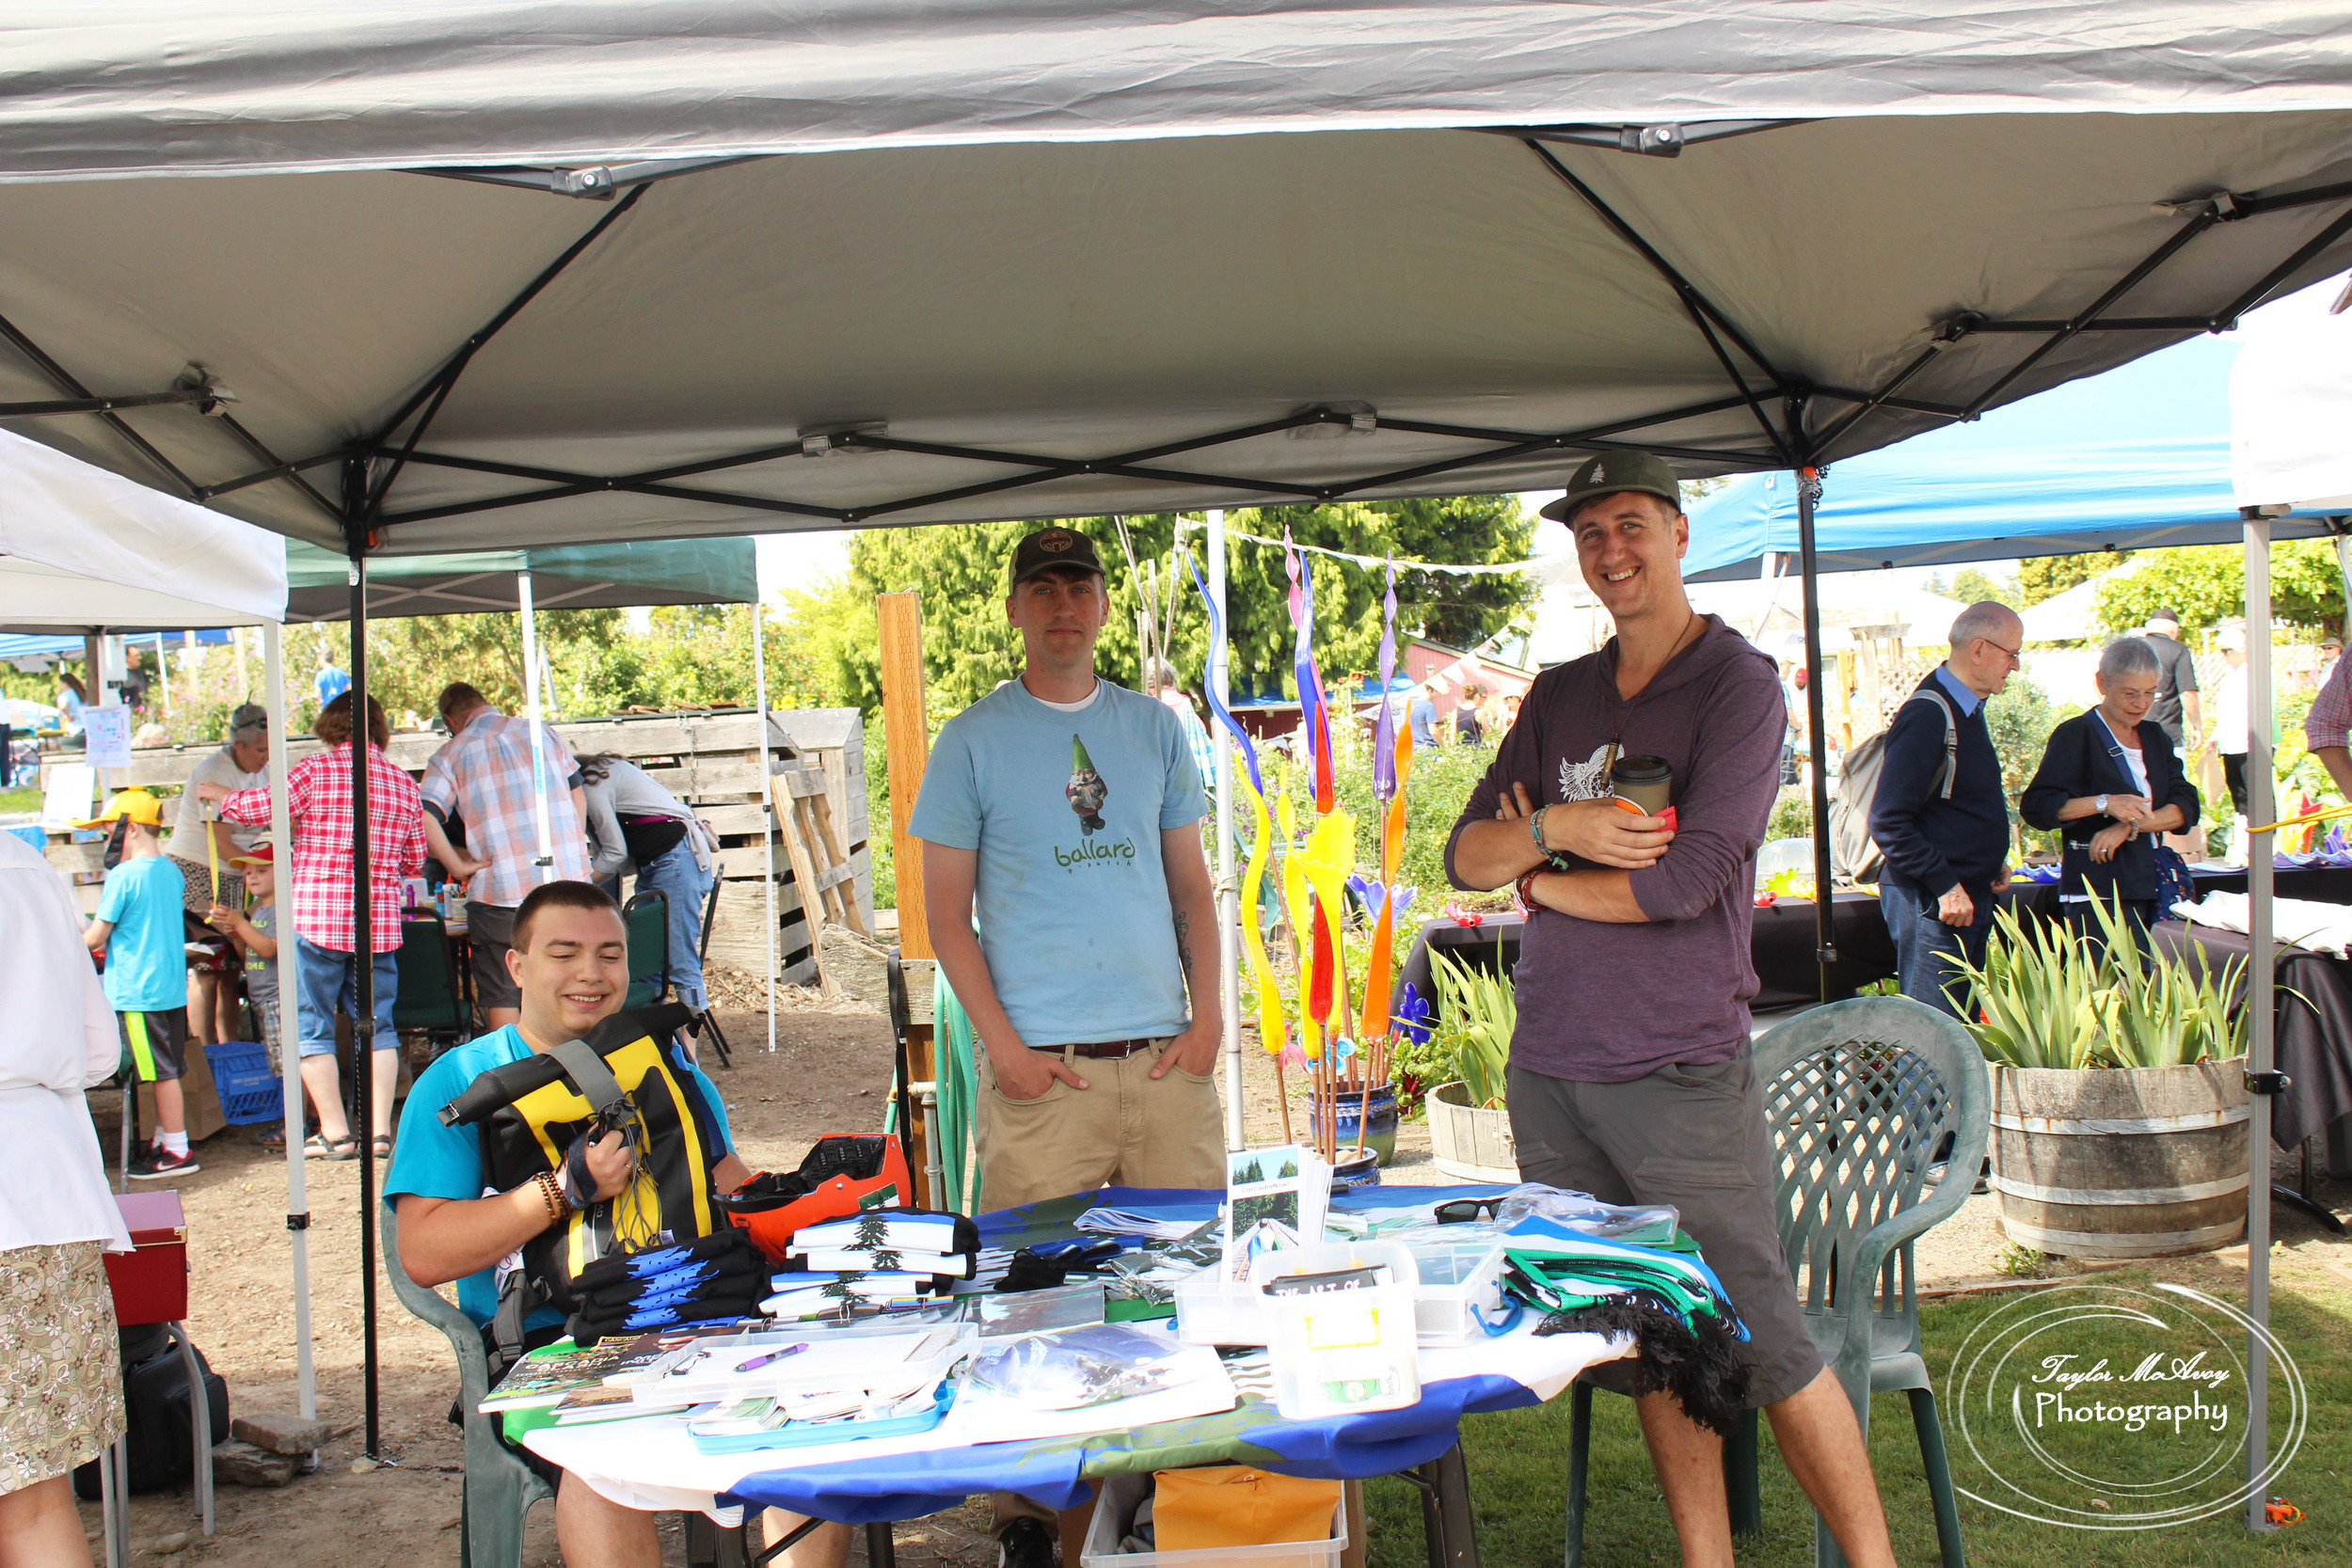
1054,539
1600,472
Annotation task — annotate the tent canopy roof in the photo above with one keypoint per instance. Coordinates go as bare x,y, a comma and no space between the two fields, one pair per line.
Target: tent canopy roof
83,548
2137,458
1045,264
589,577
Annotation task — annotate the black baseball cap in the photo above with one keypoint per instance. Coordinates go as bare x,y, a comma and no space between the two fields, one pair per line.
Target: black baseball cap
1051,547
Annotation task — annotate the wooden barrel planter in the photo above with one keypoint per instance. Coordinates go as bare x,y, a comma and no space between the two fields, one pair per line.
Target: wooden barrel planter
1467,1141
2122,1162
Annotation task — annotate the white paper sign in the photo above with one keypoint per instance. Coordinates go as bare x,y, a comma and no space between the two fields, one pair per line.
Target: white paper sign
107,736
69,787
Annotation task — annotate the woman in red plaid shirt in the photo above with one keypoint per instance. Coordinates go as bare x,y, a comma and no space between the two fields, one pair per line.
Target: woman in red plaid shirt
318,797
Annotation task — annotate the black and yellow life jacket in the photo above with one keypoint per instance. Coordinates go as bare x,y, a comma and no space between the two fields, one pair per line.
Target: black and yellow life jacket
620,1075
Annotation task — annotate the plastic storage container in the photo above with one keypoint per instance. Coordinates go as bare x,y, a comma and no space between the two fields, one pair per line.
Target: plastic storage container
1342,1352
249,1091
1214,1311
1116,1510
1460,1284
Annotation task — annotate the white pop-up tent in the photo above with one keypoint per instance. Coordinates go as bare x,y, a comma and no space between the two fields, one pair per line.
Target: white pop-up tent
85,550
516,273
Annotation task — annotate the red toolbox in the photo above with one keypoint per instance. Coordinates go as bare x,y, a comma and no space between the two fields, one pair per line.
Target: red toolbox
151,1282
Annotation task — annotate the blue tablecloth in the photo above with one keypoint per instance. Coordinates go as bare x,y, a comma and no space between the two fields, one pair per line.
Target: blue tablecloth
1055,1471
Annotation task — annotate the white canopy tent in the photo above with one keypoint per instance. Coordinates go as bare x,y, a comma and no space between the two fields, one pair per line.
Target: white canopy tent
82,550
865,264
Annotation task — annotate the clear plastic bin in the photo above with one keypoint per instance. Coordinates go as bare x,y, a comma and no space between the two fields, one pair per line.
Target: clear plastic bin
1341,1353
1114,1509
1214,1311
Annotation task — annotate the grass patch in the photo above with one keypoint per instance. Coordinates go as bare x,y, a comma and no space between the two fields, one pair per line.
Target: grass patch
20,800
1519,1460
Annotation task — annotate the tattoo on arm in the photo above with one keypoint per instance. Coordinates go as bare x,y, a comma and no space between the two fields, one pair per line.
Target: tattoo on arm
1184,946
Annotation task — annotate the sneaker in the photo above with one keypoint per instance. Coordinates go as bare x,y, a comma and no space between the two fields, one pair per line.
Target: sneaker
157,1165
1025,1543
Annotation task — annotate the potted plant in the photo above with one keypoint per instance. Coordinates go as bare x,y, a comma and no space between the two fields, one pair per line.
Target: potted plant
1470,1131
2118,1100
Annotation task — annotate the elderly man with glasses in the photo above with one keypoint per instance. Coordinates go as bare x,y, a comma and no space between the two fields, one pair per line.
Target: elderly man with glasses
1940,816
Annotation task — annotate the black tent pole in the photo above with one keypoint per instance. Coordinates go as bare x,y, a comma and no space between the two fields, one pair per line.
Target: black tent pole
363,936
1824,910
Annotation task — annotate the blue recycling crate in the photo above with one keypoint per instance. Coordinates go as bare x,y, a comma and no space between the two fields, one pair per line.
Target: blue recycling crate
249,1091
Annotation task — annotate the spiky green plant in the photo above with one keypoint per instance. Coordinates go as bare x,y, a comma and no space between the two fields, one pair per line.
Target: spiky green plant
1477,1010
2046,997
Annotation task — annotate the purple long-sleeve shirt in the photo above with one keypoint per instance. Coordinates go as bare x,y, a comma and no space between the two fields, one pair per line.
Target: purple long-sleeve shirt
1601,1001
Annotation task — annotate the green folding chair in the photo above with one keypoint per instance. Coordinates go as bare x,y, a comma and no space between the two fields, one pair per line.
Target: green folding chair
647,917
429,1002
499,1487
1862,1097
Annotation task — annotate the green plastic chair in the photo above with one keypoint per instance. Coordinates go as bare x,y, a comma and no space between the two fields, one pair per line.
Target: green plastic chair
429,1002
647,917
499,1488
1861,1096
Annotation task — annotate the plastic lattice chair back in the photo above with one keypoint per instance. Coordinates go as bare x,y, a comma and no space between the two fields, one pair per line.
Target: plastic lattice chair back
1865,1098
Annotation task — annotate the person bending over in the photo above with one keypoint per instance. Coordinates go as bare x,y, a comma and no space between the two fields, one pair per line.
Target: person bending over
570,965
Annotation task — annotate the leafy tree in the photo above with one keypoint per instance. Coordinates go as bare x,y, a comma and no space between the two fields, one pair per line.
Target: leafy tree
2045,577
969,649
2020,719
2206,583
1971,586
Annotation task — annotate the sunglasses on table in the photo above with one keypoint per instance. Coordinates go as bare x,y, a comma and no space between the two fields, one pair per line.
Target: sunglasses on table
1461,1211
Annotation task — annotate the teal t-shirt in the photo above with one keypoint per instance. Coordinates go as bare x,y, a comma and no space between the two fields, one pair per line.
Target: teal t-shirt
147,953
433,1161
1066,811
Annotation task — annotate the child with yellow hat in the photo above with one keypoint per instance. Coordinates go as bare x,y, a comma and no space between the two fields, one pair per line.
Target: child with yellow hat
140,929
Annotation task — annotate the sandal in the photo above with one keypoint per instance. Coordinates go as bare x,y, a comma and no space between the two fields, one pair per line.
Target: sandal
382,1146
318,1146
272,1140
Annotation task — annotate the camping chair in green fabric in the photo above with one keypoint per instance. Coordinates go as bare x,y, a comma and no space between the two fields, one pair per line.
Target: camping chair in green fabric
429,1002
1861,1097
499,1488
647,917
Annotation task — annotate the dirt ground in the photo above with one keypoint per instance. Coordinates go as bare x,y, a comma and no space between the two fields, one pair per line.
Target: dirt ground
830,1072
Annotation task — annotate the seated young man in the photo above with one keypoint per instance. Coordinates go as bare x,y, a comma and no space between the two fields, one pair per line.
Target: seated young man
570,959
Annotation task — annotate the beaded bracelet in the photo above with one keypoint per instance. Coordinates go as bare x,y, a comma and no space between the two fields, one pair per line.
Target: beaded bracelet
1527,890
1535,831
551,1194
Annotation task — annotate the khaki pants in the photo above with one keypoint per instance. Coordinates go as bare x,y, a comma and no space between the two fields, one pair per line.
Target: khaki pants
1121,1129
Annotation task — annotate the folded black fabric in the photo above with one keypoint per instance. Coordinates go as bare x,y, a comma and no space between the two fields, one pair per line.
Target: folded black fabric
720,1246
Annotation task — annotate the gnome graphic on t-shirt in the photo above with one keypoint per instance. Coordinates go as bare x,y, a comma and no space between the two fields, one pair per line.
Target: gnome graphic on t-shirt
1086,789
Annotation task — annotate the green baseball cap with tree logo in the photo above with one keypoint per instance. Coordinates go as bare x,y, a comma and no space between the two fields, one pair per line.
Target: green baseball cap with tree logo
1610,472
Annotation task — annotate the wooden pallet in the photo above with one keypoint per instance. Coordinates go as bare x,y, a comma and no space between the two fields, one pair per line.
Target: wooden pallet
714,762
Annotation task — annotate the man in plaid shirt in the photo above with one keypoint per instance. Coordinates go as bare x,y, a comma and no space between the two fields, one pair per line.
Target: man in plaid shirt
2327,728
318,798
485,777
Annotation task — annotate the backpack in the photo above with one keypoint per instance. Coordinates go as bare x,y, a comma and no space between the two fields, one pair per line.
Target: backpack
1854,856
620,1076
159,1432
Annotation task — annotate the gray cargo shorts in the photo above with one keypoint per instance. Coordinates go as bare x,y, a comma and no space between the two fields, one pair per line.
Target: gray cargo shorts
1693,1136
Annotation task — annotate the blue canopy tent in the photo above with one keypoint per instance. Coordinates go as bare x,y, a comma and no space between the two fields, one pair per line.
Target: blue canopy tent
2137,458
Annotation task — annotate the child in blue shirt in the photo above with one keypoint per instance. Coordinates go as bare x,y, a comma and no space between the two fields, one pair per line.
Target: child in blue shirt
143,933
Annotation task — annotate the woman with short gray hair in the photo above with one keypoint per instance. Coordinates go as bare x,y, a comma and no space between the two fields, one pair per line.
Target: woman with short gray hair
2110,785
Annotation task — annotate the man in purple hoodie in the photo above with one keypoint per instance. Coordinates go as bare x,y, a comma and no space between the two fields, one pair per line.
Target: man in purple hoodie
1629,1075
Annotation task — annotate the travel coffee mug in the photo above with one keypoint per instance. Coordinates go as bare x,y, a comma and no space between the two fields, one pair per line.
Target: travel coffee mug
1644,785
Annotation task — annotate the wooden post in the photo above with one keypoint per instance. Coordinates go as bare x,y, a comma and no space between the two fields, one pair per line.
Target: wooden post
906,736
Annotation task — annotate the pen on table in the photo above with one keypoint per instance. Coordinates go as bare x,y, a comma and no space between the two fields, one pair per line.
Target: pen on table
758,1361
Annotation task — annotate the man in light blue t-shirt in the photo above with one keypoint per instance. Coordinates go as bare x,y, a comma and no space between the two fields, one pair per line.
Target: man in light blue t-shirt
1069,810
